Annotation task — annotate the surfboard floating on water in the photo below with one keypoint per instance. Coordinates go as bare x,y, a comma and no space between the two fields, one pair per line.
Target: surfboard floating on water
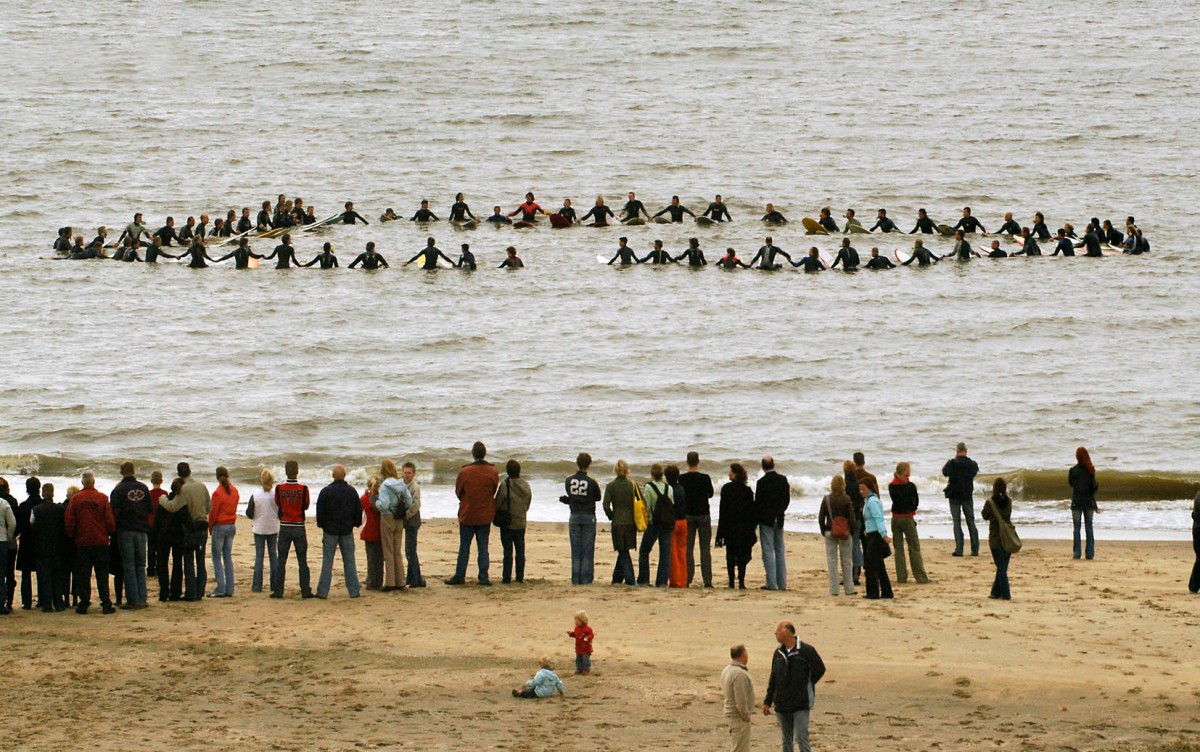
813,227
466,224
857,230
704,221
558,221
634,221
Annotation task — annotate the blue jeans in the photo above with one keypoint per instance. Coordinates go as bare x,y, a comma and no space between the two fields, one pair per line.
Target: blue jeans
661,536
1084,515
329,545
132,545
795,726
290,535
774,556
964,508
1000,584
222,557
271,544
465,533
413,576
856,543
582,528
583,662
195,573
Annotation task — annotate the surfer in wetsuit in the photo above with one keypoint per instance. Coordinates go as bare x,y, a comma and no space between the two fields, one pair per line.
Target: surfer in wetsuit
812,262
62,244
219,230
198,253
187,231
134,229
730,261
310,215
773,217
154,250
349,216
431,254
922,255
1069,229
847,257
1039,227
825,219
879,262
1030,247
466,259
657,256
241,255
850,220
245,224
717,211
567,212
883,224
599,214
166,233
370,260
1010,226
765,258
624,253
962,249
512,261
676,210
459,212
1091,241
924,224
968,223
263,223
498,218
388,215
127,252
202,228
326,258
424,215
528,210
693,254
633,209
998,252
1112,235
101,237
1064,244
284,254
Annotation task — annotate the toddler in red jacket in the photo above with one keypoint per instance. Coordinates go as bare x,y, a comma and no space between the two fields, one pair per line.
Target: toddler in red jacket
583,635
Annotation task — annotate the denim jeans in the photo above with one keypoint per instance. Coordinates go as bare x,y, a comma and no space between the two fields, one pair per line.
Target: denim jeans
374,564
583,662
700,526
222,557
132,545
480,534
513,542
661,536
774,556
330,544
964,508
1085,516
413,576
795,726
582,528
1000,584
856,543
292,535
271,544
195,573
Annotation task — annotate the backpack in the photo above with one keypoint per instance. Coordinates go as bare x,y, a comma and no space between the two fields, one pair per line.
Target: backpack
664,511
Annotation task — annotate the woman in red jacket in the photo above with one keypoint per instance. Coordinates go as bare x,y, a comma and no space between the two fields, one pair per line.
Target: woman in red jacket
221,527
370,535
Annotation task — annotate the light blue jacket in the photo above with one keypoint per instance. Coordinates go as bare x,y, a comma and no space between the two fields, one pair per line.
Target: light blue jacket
392,494
873,511
545,683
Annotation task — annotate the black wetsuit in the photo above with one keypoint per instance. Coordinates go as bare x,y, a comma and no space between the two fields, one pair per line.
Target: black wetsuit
694,256
765,258
326,260
424,215
284,256
514,263
166,235
676,212
244,225
775,218
62,245
350,217
264,220
962,250
634,209
848,258
600,213
466,260
1031,248
717,212
657,256
880,262
567,213
459,212
1065,247
499,219
1001,253
198,253
731,263
1011,227
969,224
225,231
886,225
1040,231
1092,243
810,264
923,256
369,260
241,257
201,231
925,225
1114,236
284,219
828,224
153,252
626,255
431,257
185,234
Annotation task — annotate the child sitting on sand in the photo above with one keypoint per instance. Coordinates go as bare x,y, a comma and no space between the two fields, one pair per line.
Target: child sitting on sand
583,635
543,684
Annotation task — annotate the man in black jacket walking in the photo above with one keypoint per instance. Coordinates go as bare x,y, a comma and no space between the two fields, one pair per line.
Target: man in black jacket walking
772,495
795,670
961,472
338,513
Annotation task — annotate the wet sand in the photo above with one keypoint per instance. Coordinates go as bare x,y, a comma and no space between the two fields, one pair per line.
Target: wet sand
1093,655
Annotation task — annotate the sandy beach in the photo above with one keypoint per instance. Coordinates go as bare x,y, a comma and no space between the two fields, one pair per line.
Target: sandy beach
1093,655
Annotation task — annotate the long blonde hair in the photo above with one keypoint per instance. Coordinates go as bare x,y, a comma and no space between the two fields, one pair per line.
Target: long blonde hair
387,469
838,484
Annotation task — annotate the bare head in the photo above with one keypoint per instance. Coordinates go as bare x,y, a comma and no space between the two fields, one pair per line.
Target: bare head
339,472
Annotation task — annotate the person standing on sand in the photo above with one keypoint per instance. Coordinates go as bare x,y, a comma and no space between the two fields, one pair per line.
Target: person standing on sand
338,513
476,490
370,534
515,496
739,698
999,509
1194,582
905,501
661,510
772,495
193,502
582,493
837,504
736,529
1082,478
960,473
392,501
8,536
291,499
412,526
131,506
265,527
698,489
89,520
875,541
618,507
856,527
222,527
795,670
678,577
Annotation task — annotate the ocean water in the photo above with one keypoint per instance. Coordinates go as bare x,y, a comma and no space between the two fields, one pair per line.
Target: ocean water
1002,106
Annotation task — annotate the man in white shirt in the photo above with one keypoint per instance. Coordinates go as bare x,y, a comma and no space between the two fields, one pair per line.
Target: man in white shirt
739,698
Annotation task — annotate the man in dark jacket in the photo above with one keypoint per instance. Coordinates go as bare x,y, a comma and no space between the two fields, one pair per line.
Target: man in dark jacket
25,557
8,577
168,538
46,531
961,472
131,506
795,670
339,511
772,495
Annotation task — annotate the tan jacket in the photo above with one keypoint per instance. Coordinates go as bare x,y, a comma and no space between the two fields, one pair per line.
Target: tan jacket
738,691
194,495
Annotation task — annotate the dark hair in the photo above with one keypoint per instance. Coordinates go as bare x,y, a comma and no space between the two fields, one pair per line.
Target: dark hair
1085,459
478,450
33,486
859,459
737,651
583,461
371,245
223,477
672,474
513,468
291,468
768,463
1000,488
739,473
183,469
693,459
126,469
